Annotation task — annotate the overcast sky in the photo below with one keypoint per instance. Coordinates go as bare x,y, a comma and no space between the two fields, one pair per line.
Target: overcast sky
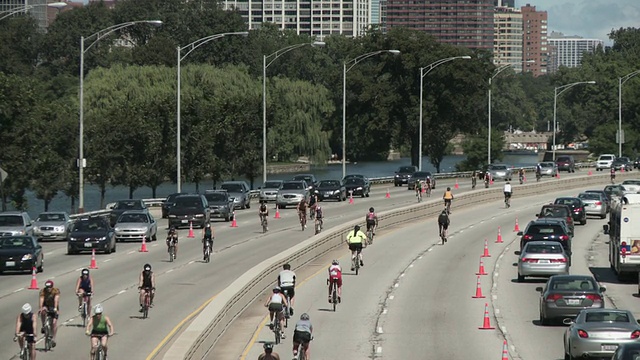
588,18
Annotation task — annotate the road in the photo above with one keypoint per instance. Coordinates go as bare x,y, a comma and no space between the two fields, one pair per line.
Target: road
182,286
413,299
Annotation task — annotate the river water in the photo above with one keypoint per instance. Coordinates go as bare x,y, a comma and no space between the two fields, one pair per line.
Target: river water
334,171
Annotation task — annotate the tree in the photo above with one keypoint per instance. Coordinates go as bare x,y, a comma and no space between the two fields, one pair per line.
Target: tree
475,149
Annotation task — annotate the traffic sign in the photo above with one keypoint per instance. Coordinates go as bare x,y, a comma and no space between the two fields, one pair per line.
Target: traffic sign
3,175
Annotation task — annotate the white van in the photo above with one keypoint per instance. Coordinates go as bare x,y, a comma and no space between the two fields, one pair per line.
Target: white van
605,161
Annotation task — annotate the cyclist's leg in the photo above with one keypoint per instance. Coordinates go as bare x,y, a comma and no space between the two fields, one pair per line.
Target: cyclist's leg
295,345
104,339
31,344
152,294
94,345
360,255
80,298
54,324
142,293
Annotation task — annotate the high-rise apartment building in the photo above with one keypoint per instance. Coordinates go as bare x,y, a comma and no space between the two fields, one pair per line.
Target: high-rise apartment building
505,3
535,44
507,38
317,18
568,50
374,18
38,9
463,23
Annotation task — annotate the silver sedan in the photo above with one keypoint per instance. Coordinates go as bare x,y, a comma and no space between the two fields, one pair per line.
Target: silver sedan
594,204
136,224
542,259
599,332
52,226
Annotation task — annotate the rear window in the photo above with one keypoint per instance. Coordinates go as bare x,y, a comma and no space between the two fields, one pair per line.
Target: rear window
11,220
563,159
606,157
51,217
329,183
215,197
354,181
545,230
16,243
407,169
271,185
570,202
128,205
546,165
543,249
133,218
573,284
556,212
232,187
589,196
498,167
188,201
601,316
90,225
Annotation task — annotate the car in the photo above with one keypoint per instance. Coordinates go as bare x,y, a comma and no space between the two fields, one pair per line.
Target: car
594,204
636,163
547,229
269,190
628,351
577,208
15,223
615,190
557,211
604,161
189,210
499,172
357,186
52,226
311,181
548,168
564,296
291,193
366,179
605,196
220,204
542,259
125,205
168,203
20,253
239,193
421,175
403,175
91,233
622,163
631,186
332,189
136,224
566,162
599,332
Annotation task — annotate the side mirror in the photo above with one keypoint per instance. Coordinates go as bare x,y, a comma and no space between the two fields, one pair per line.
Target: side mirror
568,321
603,289
515,264
638,321
517,252
520,233
537,215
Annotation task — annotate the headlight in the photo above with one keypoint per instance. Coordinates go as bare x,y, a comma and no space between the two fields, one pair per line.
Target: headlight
58,228
336,192
359,188
172,216
102,238
117,229
397,176
73,239
27,257
199,215
36,228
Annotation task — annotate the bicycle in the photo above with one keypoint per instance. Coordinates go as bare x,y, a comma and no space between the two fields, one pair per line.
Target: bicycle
302,355
99,355
146,303
355,262
264,224
207,251
443,234
48,331
286,309
428,190
448,206
318,225
303,219
419,194
277,332
334,294
172,250
538,176
84,308
370,235
25,351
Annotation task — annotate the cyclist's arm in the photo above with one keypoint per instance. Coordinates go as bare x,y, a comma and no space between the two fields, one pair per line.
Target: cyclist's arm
140,281
91,282
110,325
153,280
41,301
266,303
78,285
279,282
56,301
19,324
89,325
294,280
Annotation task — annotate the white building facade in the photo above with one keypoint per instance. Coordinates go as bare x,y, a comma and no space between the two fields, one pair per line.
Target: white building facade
568,50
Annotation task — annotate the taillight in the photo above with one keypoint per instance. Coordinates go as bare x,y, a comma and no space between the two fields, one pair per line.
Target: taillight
564,237
563,260
594,297
623,244
528,237
554,297
569,219
583,334
598,202
576,210
635,334
530,260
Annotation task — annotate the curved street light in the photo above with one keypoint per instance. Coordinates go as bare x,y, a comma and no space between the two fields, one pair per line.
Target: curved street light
562,89
621,81
424,73
352,63
23,8
265,65
190,47
98,36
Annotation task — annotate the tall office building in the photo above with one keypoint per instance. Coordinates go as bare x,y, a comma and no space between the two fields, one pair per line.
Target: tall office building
374,12
317,18
568,50
534,40
507,39
463,23
505,3
38,9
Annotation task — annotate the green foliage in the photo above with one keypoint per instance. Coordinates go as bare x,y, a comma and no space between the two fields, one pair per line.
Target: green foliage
475,149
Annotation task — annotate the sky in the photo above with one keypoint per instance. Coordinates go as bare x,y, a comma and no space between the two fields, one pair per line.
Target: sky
588,18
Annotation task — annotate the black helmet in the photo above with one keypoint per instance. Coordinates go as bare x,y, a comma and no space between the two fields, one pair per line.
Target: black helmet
448,188
356,228
268,346
85,271
147,267
172,229
371,209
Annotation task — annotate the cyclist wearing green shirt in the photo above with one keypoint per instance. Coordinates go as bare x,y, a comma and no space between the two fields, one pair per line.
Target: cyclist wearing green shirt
418,187
356,240
99,328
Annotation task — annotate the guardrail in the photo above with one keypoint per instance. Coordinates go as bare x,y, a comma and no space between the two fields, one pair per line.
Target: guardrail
207,328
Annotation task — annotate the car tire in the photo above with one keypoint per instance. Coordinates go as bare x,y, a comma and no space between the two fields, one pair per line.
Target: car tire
70,252
227,218
154,237
583,222
41,267
543,321
603,216
114,248
368,191
520,278
249,205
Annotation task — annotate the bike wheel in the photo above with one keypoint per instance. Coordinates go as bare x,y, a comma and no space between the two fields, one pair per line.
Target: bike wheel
171,254
207,254
145,307
100,353
334,297
276,331
47,335
84,314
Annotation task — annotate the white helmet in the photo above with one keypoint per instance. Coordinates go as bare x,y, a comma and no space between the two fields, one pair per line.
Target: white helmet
26,308
98,309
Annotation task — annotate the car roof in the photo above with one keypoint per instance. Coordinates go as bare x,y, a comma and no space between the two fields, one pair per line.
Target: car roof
274,181
136,212
543,242
575,277
544,221
555,205
11,213
188,195
233,182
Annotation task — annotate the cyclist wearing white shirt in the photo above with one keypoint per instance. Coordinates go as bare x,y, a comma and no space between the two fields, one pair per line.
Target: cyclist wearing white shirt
507,191
287,282
276,302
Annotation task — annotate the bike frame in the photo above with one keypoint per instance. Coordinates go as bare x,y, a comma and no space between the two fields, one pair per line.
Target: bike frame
146,303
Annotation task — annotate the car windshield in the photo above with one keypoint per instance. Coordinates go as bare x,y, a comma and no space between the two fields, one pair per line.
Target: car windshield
51,217
308,179
354,181
89,226
271,185
172,197
589,196
329,183
623,159
606,157
128,205
133,218
407,169
188,202
631,182
498,167
16,243
422,174
563,159
560,212
573,284
570,202
546,165
292,186
11,220
602,316
215,197
543,249
545,230
232,188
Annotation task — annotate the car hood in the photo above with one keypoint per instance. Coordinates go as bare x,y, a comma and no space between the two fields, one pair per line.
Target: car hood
329,188
16,252
88,235
50,223
132,226
235,194
11,228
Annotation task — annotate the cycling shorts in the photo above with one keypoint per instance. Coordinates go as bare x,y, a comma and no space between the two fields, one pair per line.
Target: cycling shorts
99,333
288,290
355,246
275,307
370,224
507,194
301,337
31,339
51,313
447,201
444,226
336,278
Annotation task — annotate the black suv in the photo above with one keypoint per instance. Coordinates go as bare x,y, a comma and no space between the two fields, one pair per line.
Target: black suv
189,209
547,229
577,208
220,204
566,162
403,175
168,203
91,233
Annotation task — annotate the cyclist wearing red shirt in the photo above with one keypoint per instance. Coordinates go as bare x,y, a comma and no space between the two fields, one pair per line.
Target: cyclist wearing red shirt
335,274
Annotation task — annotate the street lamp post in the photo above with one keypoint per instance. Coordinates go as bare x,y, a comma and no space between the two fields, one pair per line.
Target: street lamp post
190,47
81,162
265,65
621,81
19,9
352,63
562,89
424,73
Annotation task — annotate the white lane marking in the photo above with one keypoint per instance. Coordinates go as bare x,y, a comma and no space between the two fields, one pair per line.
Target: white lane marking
470,226
78,269
430,249
494,297
500,257
131,252
391,297
379,329
379,350
496,311
422,256
411,265
107,260
121,292
384,311
191,262
49,253
168,271
497,267
495,285
402,275
481,221
495,274
155,245
18,290
396,285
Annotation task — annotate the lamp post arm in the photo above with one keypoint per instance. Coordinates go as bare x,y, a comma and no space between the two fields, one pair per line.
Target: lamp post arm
437,63
196,44
356,60
281,52
15,11
629,76
106,31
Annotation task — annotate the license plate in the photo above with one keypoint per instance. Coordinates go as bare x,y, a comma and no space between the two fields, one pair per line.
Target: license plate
605,347
10,263
87,245
46,234
573,301
543,261
185,221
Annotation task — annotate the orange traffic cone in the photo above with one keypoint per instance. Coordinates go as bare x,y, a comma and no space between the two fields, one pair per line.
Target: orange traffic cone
191,235
424,190
558,175
143,247
351,197
481,268
456,186
499,239
93,265
478,290
486,324
621,169
388,196
277,213
486,249
590,173
516,228
505,351
524,179
233,222
34,282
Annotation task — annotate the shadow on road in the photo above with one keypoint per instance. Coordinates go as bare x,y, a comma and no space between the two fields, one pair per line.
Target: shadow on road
607,275
530,281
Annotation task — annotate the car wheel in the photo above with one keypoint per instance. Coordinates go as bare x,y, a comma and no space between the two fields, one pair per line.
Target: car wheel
249,205
114,247
603,216
41,267
227,218
583,222
154,237
520,278
367,195
69,251
543,321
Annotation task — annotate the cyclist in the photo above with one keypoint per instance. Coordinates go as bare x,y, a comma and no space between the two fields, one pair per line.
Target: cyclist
172,237
207,237
335,274
263,213
428,186
276,302
356,239
26,326
99,328
49,305
313,203
448,196
319,215
538,172
372,220
84,285
613,174
302,335
146,282
487,179
507,192
474,176
287,282
443,225
521,175
268,353
302,211
418,186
